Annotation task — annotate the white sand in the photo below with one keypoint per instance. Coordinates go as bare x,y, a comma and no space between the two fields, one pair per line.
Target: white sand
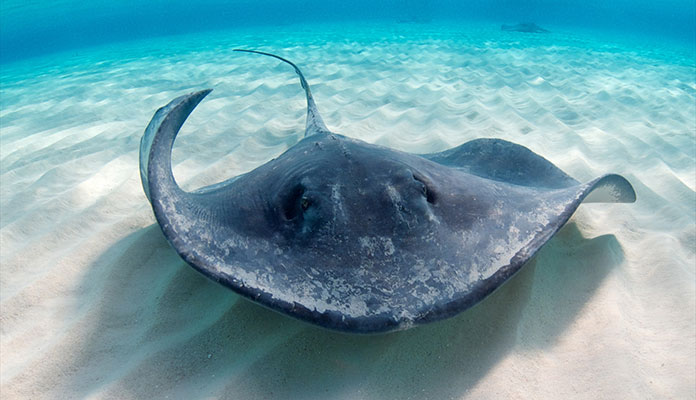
94,303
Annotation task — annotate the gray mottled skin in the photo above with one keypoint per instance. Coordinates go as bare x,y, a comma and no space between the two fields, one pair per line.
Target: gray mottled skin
362,238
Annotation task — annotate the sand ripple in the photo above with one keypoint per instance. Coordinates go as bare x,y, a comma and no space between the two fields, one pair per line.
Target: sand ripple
95,303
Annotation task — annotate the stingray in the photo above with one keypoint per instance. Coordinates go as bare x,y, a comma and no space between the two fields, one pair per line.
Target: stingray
526,27
362,238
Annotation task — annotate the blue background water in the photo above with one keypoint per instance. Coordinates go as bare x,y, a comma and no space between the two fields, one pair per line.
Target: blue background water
30,28
87,272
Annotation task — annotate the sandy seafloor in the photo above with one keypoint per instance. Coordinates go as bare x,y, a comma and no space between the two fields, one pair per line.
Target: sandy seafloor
94,302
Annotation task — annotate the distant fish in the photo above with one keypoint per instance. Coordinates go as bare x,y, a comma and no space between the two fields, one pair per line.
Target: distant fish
528,27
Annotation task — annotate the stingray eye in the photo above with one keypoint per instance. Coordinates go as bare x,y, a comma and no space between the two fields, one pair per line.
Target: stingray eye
292,202
423,189
426,190
305,203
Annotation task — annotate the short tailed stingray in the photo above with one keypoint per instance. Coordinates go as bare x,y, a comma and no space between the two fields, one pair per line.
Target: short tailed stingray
362,238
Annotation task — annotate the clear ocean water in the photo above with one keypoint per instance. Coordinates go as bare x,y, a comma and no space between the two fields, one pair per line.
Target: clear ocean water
31,28
94,303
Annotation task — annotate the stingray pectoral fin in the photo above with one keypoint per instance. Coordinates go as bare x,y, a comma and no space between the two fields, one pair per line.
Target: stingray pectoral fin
182,216
504,161
555,207
156,144
508,162
610,188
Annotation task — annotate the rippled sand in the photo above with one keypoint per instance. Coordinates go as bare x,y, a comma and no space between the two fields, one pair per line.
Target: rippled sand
93,301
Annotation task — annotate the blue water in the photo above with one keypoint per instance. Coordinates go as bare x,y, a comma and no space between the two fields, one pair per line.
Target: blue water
96,304
31,28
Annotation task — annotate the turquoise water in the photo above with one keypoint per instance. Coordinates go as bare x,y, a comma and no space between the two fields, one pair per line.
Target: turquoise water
31,28
96,304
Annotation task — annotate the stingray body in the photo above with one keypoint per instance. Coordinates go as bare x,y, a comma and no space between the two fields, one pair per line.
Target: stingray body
361,238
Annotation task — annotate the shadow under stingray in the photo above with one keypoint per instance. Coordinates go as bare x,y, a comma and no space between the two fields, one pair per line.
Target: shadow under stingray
159,328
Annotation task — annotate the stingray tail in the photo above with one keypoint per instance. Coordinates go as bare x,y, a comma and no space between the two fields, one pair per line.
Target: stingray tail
315,124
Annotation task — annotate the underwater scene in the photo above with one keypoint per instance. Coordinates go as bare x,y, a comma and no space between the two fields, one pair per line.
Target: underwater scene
395,200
